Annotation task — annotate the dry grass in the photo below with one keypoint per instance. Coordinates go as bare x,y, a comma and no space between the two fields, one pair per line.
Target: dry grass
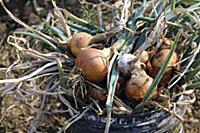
36,70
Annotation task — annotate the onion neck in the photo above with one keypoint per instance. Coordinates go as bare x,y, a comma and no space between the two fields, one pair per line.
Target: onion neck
137,72
108,52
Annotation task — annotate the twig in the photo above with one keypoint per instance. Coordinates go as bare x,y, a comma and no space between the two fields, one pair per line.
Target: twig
35,5
47,93
101,23
105,35
28,76
36,121
8,71
62,19
170,111
30,51
8,109
42,75
120,103
67,103
8,87
25,25
68,124
100,111
94,85
187,67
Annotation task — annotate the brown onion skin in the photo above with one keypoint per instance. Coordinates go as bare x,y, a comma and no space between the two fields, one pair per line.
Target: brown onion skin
137,87
93,63
99,95
78,41
121,83
154,66
159,58
166,44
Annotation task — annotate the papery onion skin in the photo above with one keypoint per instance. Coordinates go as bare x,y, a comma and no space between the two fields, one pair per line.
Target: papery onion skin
166,44
161,56
137,87
78,41
124,64
100,95
144,57
93,63
154,66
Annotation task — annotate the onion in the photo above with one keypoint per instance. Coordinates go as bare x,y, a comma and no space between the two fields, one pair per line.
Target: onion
166,44
144,57
128,65
137,87
153,67
124,64
121,83
97,94
78,41
159,58
93,63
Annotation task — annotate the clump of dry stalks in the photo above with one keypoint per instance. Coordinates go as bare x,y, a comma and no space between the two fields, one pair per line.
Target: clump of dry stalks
41,72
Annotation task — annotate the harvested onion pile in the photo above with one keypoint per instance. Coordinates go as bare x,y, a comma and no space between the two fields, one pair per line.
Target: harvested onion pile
137,74
116,72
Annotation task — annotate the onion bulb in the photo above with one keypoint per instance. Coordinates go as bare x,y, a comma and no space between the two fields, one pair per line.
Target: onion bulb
166,44
124,64
97,94
154,66
144,57
128,64
137,87
121,83
93,63
78,41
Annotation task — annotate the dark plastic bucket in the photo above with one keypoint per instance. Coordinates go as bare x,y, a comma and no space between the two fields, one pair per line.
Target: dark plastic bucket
155,121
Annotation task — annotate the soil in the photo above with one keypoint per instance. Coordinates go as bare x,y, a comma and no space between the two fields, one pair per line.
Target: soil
33,12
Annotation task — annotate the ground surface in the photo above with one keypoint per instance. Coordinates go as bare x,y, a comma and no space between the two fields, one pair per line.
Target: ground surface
34,12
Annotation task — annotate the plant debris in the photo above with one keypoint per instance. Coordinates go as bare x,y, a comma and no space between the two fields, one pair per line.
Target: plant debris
45,81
